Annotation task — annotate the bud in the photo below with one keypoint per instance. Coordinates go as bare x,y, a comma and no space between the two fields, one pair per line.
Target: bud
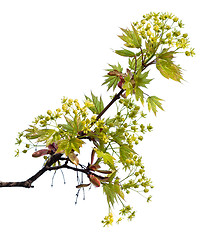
40,153
187,53
175,19
49,112
94,180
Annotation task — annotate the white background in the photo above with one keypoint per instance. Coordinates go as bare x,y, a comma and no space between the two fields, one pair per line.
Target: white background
50,49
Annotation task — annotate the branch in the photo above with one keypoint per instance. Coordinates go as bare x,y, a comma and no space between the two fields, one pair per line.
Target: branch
116,97
48,167
28,183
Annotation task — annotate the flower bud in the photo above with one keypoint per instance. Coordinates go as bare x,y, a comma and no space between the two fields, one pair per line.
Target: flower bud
49,112
175,19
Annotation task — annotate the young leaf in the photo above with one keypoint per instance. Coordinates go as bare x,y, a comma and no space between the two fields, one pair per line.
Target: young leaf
68,145
108,189
131,39
139,95
42,135
128,87
112,191
141,79
118,190
136,39
98,104
107,158
112,81
125,151
166,66
153,103
125,53
76,143
73,126
73,158
128,38
117,137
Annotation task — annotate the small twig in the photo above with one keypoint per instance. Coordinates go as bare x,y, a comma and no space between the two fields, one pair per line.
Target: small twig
135,68
150,63
116,97
143,64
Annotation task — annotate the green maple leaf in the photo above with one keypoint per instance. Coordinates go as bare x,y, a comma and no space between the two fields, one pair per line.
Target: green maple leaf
125,53
98,103
73,126
107,158
67,145
141,79
42,135
139,95
166,66
153,103
112,81
113,192
128,87
124,151
131,38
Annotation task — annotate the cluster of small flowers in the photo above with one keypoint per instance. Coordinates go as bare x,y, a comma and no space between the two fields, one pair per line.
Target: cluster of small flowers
70,108
108,220
161,28
139,178
129,126
127,210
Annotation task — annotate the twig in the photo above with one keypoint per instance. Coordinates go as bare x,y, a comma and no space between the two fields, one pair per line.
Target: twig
116,97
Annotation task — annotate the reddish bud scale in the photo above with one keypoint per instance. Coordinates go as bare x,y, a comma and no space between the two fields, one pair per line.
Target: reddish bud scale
41,152
94,180
53,147
92,155
94,167
120,84
121,78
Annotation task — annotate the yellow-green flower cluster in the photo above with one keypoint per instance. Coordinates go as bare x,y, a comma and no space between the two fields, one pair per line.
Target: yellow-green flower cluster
102,130
127,210
137,178
108,220
164,29
69,108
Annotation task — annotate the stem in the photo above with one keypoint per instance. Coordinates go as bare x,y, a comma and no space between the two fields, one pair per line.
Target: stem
143,64
150,63
135,69
116,97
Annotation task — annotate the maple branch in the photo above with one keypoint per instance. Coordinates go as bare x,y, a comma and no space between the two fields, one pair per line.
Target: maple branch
116,97
28,183
48,167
